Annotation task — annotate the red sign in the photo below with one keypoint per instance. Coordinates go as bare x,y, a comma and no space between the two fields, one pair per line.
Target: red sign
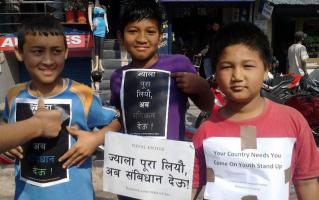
74,42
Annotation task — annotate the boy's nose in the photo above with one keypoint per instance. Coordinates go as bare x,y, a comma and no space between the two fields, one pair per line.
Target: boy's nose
47,59
141,38
237,74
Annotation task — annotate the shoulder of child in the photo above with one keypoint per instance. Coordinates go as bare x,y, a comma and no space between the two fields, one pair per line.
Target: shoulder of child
81,88
178,57
16,89
290,112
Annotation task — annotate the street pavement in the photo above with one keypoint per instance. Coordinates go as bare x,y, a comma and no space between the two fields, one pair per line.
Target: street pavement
7,172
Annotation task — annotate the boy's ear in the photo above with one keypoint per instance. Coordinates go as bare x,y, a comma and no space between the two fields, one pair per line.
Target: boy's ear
119,38
18,53
160,38
266,74
66,53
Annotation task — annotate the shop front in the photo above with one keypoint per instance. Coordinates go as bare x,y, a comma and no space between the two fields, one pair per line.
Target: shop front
190,21
77,31
288,17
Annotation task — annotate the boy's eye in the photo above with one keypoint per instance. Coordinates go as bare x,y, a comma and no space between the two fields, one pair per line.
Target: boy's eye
249,66
151,32
225,67
37,51
132,31
57,51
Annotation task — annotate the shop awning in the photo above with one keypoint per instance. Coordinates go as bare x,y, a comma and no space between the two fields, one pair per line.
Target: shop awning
294,2
206,1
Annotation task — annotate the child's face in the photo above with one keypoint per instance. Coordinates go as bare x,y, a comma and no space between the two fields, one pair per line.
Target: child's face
141,39
240,73
44,57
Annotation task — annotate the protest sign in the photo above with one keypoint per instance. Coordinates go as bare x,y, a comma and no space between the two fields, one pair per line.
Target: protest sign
40,165
260,173
148,168
144,102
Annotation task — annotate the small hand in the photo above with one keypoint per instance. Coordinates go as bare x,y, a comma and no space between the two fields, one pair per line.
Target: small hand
84,147
50,121
16,153
188,82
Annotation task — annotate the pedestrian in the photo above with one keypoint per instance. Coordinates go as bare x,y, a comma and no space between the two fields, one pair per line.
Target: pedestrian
97,14
43,49
205,53
140,30
297,55
252,148
96,78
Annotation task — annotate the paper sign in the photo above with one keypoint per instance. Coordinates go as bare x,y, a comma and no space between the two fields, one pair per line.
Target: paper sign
251,173
144,102
40,165
148,168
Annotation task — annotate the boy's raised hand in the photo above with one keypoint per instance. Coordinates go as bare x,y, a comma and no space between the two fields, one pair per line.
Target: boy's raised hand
189,83
47,124
84,147
49,121
196,87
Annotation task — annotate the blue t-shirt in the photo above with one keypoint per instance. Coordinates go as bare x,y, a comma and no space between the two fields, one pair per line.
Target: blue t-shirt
98,21
86,112
177,98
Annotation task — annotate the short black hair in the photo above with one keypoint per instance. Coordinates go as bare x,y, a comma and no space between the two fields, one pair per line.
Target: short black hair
244,33
300,36
137,10
43,25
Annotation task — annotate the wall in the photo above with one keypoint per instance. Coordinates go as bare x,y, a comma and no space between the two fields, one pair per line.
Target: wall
9,74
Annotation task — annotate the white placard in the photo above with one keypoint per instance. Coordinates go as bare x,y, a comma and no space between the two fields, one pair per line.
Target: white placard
148,168
260,172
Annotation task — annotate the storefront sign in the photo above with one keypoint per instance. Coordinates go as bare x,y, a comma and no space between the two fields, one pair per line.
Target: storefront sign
148,168
267,10
74,41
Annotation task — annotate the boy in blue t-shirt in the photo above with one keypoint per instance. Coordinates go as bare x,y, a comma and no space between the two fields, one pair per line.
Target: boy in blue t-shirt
58,168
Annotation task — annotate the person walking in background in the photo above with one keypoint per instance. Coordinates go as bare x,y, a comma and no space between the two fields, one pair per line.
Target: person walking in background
205,53
97,14
297,55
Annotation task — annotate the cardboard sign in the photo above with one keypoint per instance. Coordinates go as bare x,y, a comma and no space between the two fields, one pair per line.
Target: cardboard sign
148,168
145,101
40,165
254,173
